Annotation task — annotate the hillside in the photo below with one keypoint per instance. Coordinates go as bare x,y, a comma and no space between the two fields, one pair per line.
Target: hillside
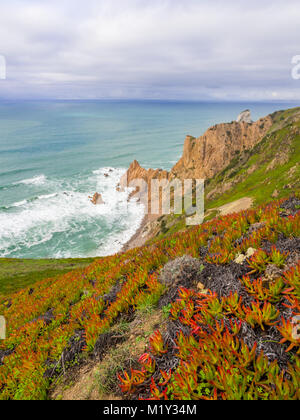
15,274
269,170
201,313
245,175
202,302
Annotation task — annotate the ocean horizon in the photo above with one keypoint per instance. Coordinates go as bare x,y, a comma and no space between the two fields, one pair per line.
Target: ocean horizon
54,154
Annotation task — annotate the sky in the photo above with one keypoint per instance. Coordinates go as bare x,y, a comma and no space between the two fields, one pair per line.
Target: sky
215,50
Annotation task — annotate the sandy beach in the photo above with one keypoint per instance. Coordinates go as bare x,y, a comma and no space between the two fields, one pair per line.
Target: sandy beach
142,235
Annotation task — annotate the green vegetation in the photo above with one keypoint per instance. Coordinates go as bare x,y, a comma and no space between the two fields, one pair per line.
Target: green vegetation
170,224
74,315
211,321
227,353
15,274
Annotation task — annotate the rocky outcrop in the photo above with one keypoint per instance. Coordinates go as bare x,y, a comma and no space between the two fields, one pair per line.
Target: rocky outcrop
136,173
207,155
97,199
245,116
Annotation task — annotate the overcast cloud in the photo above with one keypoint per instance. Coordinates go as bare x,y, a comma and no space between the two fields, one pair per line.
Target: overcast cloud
153,49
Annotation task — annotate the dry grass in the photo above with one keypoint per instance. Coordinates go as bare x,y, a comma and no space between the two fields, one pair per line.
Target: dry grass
94,380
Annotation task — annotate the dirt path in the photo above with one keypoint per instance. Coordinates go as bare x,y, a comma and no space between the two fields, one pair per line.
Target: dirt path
236,206
97,380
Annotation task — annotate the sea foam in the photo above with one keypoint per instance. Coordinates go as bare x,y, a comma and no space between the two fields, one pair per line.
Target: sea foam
64,222
37,180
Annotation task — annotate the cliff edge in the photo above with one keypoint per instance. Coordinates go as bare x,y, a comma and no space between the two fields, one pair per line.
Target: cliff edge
207,155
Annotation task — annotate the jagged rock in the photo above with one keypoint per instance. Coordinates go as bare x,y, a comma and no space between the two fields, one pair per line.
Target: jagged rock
141,178
272,272
181,270
207,155
283,154
245,117
97,199
211,153
135,171
256,226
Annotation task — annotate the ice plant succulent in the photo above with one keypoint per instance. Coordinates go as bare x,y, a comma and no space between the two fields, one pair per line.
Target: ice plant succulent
208,355
157,345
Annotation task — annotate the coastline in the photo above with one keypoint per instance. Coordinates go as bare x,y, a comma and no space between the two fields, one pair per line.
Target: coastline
137,239
142,235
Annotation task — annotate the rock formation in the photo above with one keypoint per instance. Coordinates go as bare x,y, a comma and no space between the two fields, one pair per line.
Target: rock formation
209,154
245,117
97,199
135,173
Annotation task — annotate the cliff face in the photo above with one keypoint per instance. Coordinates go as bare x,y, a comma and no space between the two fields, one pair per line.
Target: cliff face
243,161
135,171
209,154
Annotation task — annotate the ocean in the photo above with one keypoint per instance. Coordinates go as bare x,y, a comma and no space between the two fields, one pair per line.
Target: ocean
55,154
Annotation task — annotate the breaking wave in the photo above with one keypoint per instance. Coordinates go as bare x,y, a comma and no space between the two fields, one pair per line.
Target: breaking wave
63,222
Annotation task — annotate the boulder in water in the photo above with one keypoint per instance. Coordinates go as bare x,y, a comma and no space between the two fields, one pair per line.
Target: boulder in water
97,199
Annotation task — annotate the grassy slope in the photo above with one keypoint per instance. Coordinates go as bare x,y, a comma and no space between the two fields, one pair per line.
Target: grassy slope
83,307
15,274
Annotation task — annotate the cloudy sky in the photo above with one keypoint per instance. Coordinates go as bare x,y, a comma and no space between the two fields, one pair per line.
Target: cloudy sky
152,49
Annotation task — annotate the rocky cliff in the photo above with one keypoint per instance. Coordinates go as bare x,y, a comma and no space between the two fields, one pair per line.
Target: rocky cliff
135,171
242,162
209,154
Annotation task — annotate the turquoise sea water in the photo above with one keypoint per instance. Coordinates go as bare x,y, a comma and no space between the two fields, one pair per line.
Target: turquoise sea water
53,155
